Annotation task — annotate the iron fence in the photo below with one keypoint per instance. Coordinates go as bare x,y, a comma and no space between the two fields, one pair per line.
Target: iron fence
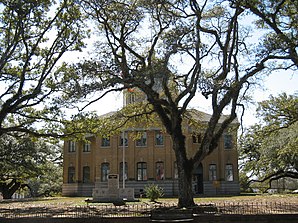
249,208
144,210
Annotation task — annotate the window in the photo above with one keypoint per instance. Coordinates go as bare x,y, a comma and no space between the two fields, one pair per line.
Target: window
141,171
229,172
125,139
160,171
87,147
212,172
158,138
105,170
175,170
71,146
86,174
197,138
228,142
142,140
71,174
121,171
105,141
130,97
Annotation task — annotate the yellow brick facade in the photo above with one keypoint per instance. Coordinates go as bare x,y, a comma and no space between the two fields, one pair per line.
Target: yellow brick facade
83,165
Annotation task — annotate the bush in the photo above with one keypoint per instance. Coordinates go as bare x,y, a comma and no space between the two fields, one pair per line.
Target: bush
153,192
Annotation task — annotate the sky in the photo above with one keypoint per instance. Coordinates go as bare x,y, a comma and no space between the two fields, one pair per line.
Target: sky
275,84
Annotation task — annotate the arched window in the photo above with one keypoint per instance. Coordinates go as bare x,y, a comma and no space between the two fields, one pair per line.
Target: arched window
71,174
141,171
86,174
160,171
212,172
229,172
105,170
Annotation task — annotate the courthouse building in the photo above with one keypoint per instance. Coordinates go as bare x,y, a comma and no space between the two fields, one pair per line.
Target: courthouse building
149,159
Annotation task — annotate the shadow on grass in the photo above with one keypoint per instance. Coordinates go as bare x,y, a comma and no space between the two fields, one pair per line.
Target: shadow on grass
27,200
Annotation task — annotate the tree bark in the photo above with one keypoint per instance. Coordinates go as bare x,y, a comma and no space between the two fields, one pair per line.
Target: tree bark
9,189
172,120
185,195
184,167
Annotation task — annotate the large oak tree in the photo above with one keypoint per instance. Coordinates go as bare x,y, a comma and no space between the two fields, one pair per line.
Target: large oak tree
29,163
280,19
33,38
269,150
172,50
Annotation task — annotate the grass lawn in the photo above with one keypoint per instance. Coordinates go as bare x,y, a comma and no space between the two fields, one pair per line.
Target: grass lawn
80,201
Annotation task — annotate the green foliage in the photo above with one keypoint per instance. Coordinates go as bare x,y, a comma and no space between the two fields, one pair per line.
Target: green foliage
270,151
279,19
49,183
26,162
34,37
153,192
279,112
244,182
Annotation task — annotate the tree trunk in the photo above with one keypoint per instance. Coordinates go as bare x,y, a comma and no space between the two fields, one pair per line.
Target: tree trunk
185,195
185,170
185,166
8,189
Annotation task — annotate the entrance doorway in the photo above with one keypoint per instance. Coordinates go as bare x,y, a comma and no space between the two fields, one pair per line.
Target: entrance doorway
198,175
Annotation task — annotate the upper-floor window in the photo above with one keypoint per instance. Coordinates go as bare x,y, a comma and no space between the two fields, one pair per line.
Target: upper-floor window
130,97
105,170
229,172
142,139
228,143
71,146
86,174
71,174
87,147
159,139
160,171
141,171
125,139
196,138
105,141
212,172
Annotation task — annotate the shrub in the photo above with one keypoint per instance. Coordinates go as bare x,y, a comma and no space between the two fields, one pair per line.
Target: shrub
153,192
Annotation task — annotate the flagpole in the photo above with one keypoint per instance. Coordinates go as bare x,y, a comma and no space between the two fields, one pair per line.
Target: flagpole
123,159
